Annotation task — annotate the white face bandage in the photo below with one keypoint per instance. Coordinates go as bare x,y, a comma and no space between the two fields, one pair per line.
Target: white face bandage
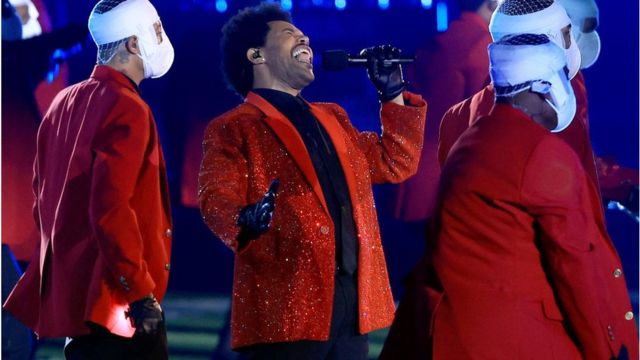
32,27
588,42
139,18
548,21
539,68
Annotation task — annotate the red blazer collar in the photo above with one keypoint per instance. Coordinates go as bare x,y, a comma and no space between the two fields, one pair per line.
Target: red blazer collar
289,136
292,141
104,72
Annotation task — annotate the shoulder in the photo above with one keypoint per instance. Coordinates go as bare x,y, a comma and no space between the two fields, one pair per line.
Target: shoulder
242,115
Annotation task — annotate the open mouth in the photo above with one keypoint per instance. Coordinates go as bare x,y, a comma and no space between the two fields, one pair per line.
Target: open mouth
303,54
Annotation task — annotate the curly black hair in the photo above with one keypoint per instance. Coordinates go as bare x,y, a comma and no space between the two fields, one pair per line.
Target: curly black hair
245,30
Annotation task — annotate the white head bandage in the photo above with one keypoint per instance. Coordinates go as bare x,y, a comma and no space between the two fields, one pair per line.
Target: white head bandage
532,62
588,41
545,17
131,17
139,18
32,27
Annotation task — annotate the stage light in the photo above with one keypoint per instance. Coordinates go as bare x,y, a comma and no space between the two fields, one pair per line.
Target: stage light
442,16
383,4
317,2
286,4
426,4
341,4
221,6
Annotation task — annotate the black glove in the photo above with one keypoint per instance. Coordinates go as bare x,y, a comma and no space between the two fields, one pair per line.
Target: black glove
386,76
256,218
146,315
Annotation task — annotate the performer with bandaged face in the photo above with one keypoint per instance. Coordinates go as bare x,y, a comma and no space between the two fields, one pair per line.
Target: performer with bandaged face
102,202
286,184
522,266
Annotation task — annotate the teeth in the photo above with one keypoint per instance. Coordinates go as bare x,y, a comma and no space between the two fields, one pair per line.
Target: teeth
300,51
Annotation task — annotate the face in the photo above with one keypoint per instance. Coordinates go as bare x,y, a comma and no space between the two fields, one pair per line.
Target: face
288,56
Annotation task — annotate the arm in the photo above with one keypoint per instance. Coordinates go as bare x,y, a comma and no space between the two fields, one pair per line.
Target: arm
120,147
223,180
555,191
394,156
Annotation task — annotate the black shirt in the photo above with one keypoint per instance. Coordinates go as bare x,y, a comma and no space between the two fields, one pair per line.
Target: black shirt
328,168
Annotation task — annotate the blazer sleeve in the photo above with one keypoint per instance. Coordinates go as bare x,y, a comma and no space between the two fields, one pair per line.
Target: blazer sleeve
555,191
120,147
394,156
222,180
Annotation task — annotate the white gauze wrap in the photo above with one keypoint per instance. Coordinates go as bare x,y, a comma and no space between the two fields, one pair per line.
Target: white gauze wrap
547,21
511,65
131,17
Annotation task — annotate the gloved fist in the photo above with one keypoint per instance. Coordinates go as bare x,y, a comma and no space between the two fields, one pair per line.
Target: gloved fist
146,315
256,218
385,75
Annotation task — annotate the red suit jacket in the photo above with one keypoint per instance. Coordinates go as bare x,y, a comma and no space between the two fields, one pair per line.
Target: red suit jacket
522,260
102,208
284,280
452,67
457,119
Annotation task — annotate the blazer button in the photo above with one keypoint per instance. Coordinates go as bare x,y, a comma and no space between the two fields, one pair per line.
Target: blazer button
324,229
167,267
628,315
168,233
617,273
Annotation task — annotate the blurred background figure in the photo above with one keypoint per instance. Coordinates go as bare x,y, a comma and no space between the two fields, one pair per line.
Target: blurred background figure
449,68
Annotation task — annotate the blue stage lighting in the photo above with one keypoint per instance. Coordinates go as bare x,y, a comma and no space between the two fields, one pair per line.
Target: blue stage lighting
317,2
442,16
383,4
426,4
341,4
221,6
286,4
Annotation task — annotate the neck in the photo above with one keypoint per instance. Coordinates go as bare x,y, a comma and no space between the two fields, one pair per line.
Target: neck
128,64
275,85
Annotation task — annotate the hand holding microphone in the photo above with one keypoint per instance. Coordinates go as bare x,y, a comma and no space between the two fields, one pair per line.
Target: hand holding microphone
384,73
382,63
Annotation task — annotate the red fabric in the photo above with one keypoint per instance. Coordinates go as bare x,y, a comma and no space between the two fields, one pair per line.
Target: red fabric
450,68
284,280
457,119
102,207
522,251
520,258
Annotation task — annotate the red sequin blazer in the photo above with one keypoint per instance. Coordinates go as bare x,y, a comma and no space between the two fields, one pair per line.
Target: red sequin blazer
284,280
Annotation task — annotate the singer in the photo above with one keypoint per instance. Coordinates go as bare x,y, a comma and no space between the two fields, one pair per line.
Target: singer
310,277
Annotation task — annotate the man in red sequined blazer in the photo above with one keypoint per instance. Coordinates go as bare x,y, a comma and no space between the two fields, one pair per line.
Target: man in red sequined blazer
310,275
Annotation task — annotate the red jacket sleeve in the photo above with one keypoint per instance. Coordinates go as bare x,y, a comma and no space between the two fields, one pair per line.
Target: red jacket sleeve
120,147
394,156
555,191
223,181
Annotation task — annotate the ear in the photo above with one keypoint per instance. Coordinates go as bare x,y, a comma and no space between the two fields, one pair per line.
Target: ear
132,45
254,55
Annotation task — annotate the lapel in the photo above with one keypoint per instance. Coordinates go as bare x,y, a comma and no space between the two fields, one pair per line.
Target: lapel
292,141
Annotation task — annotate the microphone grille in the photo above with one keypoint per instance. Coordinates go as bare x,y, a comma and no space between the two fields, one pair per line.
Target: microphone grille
335,60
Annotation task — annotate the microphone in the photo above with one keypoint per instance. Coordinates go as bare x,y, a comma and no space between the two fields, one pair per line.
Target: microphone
337,60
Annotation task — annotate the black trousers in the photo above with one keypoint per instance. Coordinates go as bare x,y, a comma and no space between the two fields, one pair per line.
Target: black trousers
345,343
103,345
